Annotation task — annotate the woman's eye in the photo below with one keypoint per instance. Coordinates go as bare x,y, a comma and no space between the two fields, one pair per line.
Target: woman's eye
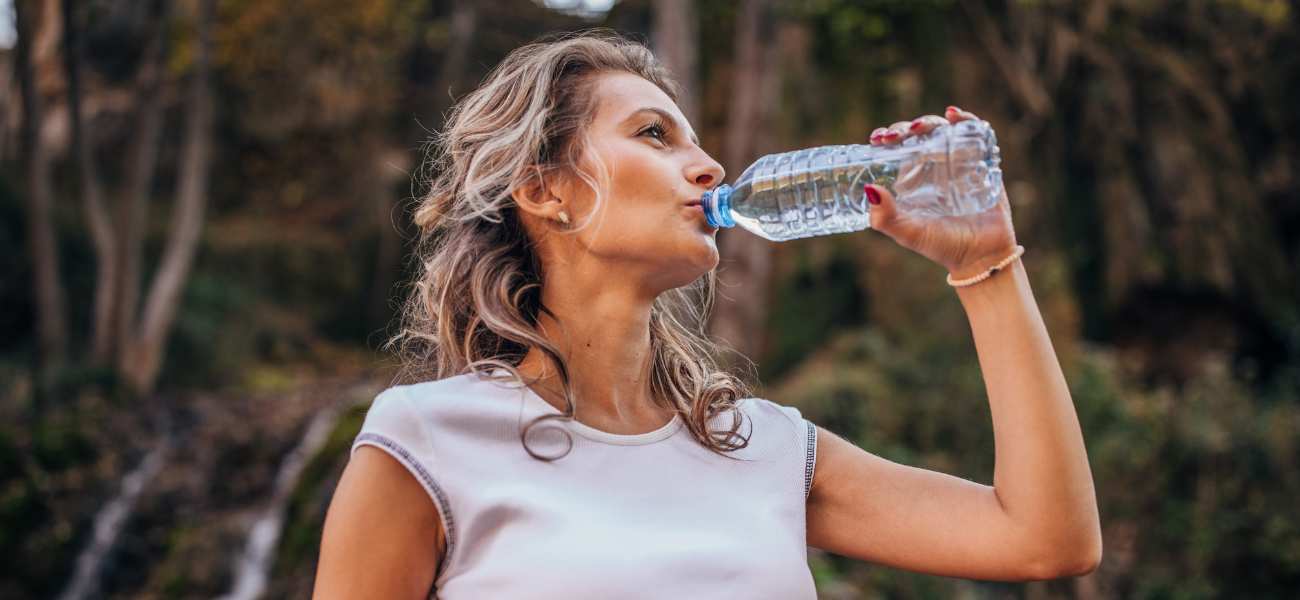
657,131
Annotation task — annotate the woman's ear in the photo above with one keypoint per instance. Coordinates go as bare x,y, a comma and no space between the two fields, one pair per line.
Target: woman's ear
539,196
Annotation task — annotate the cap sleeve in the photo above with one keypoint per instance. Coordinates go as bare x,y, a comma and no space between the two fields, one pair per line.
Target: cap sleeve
805,440
393,426
807,432
390,425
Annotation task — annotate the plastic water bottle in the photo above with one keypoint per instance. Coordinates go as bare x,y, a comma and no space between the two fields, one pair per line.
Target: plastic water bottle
953,170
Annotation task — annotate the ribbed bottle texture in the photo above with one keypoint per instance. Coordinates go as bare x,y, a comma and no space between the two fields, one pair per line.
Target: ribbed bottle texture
953,170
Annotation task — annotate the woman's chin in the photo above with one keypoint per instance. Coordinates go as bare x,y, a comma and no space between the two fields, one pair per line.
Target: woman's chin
706,251
696,260
706,261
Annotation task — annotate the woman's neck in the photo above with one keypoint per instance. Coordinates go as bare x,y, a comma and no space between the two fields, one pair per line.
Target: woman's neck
604,339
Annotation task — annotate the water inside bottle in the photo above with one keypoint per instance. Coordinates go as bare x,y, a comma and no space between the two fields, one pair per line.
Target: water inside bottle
819,191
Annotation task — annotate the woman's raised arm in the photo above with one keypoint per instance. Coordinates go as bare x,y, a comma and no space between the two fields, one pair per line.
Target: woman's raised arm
1039,519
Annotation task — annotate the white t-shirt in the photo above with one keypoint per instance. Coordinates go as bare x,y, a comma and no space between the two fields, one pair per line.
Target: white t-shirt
654,515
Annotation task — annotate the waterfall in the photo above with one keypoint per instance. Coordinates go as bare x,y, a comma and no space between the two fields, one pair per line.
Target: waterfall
253,565
110,520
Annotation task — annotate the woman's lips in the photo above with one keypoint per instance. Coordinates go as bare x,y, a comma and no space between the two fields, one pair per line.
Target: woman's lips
697,212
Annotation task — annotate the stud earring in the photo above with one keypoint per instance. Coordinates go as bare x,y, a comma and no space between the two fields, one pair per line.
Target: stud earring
564,217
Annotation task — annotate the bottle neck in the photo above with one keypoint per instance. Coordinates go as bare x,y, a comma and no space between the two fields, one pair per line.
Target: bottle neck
717,206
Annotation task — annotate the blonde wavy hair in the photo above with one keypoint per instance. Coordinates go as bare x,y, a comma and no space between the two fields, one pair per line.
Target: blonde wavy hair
474,302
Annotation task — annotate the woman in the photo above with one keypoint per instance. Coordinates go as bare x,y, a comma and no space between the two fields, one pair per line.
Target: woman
572,438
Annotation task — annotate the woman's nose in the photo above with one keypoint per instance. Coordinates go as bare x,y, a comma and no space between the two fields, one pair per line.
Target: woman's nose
706,173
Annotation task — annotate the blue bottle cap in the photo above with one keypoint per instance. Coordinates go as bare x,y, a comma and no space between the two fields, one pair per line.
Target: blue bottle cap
717,206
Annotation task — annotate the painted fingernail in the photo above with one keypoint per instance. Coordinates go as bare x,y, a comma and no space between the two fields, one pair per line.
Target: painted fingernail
872,195
954,109
890,136
916,126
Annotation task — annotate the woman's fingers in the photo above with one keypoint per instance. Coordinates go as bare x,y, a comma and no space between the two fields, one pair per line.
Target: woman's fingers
890,135
925,124
882,211
885,217
877,136
922,125
955,114
898,132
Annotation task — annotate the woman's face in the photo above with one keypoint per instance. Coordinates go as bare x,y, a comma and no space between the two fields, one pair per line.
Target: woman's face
646,227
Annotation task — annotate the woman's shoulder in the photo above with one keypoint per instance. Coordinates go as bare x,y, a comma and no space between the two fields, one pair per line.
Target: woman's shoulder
453,386
794,435
414,413
446,393
770,410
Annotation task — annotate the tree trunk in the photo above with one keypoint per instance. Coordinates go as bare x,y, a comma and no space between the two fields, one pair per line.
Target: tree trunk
676,44
144,357
51,326
92,196
745,270
132,213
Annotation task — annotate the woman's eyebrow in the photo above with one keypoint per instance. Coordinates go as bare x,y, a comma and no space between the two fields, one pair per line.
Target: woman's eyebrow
665,116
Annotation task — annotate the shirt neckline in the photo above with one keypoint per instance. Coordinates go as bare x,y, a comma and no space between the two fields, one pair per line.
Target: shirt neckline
599,435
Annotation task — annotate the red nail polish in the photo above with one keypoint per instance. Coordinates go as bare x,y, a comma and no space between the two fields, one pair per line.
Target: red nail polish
916,126
891,136
872,195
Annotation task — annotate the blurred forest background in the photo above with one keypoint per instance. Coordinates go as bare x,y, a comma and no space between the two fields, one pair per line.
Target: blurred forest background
206,218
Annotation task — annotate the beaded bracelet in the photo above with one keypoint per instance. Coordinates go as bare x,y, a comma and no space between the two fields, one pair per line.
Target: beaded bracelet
989,273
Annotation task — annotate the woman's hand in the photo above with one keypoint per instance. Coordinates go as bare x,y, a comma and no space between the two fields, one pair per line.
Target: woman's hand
966,245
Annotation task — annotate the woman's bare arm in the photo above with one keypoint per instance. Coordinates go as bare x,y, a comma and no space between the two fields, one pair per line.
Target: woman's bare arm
1038,521
382,537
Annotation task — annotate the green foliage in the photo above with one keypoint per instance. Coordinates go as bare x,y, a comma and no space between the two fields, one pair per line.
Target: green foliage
1179,474
810,304
56,467
215,334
